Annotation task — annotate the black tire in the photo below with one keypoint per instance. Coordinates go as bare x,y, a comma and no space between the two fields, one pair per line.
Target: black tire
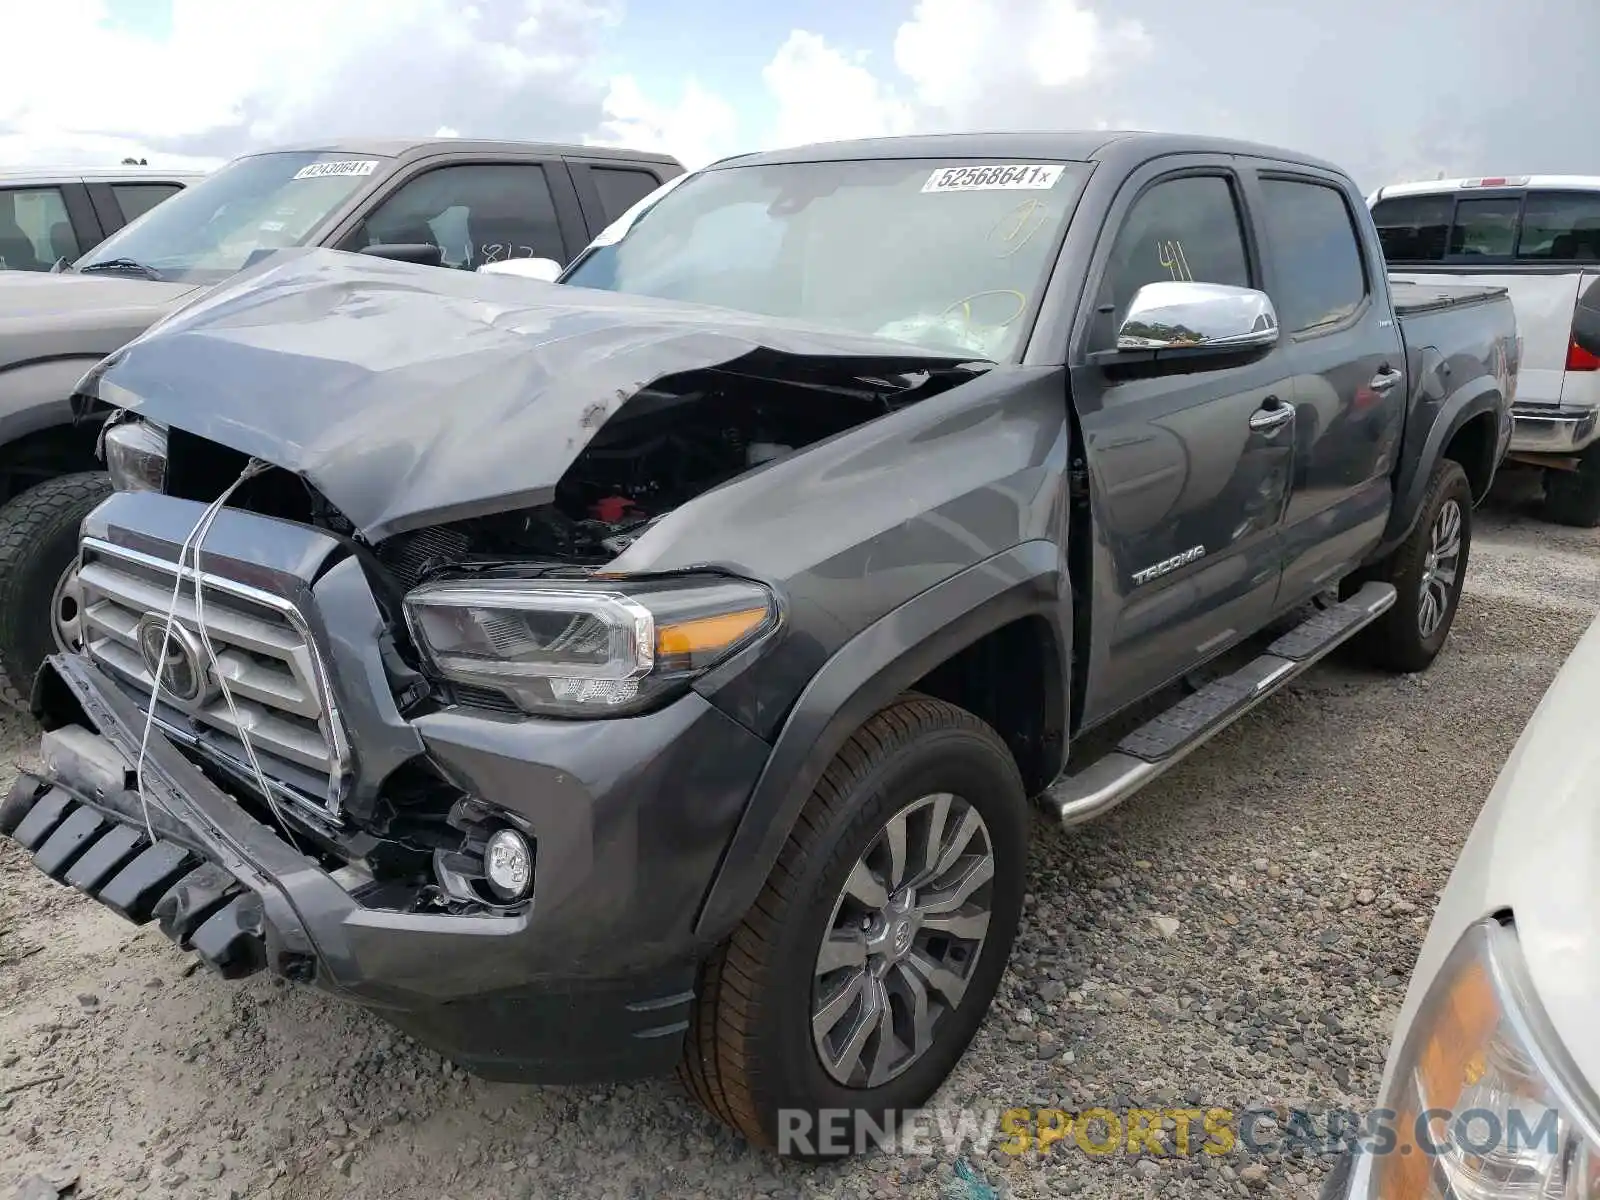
1573,497
38,544
749,1054
1396,641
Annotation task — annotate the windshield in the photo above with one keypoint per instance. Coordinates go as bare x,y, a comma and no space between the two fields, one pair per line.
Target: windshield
249,207
946,255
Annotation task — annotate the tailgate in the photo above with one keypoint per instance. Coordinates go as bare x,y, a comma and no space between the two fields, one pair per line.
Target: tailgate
1544,305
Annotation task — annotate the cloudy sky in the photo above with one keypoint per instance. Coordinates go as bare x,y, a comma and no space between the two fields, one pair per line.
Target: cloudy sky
1389,88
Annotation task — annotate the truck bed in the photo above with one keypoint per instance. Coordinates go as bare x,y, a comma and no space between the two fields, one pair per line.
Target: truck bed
1413,297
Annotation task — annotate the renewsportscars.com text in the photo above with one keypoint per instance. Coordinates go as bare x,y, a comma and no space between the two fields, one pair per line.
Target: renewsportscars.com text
1175,1132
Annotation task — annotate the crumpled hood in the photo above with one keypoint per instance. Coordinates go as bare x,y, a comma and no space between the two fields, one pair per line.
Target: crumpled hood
413,395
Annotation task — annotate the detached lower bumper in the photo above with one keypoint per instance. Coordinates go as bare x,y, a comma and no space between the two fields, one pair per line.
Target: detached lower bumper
222,884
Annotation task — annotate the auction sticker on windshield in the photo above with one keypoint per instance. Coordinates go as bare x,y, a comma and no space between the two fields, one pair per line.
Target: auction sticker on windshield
346,166
1001,177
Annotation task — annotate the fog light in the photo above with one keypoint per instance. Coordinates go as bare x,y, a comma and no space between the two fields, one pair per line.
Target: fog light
508,864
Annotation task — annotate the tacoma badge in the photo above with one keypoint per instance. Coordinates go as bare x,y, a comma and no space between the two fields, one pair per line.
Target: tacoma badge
1167,565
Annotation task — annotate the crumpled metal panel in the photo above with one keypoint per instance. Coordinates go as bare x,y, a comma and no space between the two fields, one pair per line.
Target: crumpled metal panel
415,395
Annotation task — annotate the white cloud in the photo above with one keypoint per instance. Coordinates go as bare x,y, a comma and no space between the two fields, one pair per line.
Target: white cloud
698,128
957,64
1013,56
823,94
232,74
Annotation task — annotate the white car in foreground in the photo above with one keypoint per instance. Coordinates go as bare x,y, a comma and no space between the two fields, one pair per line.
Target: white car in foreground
1493,1074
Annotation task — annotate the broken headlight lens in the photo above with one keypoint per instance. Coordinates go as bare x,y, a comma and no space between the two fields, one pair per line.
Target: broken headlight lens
1484,1105
567,648
136,456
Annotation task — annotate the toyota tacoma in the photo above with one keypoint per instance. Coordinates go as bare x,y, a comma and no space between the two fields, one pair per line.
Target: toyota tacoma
654,669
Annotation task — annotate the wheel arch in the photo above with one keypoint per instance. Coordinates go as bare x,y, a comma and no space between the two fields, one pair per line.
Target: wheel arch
1451,430
40,434
950,637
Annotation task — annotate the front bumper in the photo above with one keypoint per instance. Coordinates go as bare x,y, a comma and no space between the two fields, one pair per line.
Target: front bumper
1547,429
593,981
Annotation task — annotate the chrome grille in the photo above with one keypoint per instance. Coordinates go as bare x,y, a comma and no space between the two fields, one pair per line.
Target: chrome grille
264,652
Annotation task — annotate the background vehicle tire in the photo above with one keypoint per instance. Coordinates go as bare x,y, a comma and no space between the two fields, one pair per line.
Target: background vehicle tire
38,567
1428,570
1573,497
921,773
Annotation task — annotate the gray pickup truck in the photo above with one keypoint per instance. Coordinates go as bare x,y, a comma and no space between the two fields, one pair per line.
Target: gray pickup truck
441,201
654,670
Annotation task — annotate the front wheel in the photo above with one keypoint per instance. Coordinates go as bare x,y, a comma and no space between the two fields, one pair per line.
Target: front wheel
866,965
39,608
1428,571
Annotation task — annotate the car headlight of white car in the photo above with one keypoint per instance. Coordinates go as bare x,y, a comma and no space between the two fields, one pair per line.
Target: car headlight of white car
1484,1102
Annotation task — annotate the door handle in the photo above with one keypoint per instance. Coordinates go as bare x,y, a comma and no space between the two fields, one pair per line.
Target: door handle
1384,380
1271,415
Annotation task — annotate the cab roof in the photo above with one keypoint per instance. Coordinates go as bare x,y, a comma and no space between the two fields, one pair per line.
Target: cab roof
1125,146
420,147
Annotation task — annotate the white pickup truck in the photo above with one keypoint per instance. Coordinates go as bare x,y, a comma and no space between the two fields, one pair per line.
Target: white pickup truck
1538,236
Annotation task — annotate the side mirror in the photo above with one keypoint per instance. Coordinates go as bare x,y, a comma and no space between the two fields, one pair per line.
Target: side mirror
424,254
1198,317
544,269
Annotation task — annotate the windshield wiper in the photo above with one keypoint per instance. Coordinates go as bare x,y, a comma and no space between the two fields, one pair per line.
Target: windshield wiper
122,264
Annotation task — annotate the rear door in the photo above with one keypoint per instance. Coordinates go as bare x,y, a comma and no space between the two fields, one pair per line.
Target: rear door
1344,347
1542,244
606,190
1188,495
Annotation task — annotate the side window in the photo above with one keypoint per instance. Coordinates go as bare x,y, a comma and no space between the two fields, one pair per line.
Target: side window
1182,229
1315,252
1485,228
620,188
476,213
35,229
1414,229
136,199
1561,227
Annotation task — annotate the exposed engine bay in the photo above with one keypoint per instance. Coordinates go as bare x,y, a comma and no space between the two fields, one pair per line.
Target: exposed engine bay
669,443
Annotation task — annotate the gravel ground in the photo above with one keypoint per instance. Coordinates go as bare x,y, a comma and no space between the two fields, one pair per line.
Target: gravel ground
1238,935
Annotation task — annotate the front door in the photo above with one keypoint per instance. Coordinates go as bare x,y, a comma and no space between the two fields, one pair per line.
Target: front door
1187,490
1349,374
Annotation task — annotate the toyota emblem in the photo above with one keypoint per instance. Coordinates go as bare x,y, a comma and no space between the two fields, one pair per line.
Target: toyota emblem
171,654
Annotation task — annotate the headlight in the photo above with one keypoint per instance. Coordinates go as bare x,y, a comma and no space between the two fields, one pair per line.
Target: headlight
1484,1102
136,456
581,648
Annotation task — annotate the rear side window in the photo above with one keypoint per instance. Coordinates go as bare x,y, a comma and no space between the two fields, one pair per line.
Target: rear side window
1181,229
1485,228
1414,228
1543,226
1561,227
1319,276
621,188
136,199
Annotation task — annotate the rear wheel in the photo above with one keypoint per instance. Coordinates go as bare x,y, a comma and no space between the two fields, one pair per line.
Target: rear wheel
1573,497
1428,570
39,603
871,956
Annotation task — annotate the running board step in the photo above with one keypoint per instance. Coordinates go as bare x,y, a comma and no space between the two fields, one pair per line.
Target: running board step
1168,738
